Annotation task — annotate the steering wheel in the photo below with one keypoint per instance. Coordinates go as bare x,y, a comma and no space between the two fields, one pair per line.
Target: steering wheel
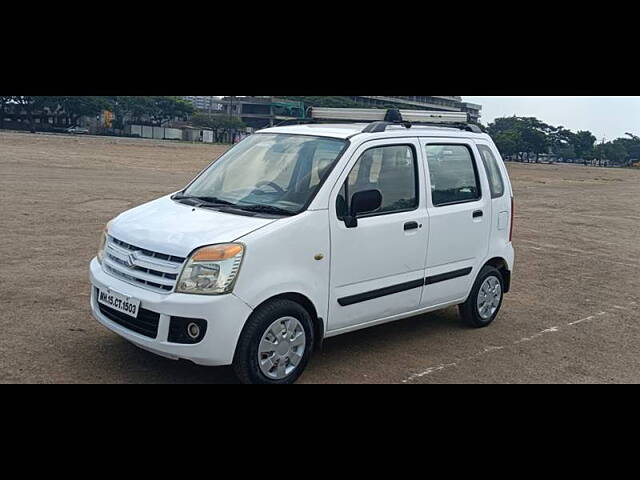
273,185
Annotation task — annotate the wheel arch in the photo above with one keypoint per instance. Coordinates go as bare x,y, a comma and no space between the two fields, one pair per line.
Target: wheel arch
502,266
307,304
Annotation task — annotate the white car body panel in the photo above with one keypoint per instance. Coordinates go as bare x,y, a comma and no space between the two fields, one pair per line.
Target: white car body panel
501,207
280,258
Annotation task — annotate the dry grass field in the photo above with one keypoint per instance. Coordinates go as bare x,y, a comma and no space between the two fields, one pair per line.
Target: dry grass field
573,315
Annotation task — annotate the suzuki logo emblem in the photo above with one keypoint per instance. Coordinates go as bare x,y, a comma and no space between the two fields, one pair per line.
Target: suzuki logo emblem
131,260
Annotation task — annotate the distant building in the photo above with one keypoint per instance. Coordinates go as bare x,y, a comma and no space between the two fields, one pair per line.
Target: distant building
261,112
208,104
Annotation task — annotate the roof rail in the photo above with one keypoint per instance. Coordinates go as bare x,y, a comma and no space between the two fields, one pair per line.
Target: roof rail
381,119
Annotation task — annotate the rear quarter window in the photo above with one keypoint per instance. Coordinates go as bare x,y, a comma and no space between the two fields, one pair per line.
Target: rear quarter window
494,175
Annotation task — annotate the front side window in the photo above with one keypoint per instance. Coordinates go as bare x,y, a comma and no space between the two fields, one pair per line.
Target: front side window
493,171
279,171
453,174
390,169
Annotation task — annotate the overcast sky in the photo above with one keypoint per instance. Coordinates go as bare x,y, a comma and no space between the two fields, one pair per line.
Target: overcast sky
610,117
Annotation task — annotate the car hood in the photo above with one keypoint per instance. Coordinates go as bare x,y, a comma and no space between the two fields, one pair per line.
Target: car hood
177,229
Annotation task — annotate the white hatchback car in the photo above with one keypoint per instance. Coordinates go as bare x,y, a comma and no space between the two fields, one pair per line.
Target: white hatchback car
305,232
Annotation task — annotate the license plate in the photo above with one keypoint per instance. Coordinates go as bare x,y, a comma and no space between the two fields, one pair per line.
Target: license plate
121,303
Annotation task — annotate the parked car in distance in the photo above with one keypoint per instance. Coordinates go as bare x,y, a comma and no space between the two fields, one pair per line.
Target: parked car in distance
77,130
300,233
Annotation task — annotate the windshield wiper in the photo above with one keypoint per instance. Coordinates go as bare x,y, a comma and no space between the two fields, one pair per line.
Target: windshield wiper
265,209
204,200
218,202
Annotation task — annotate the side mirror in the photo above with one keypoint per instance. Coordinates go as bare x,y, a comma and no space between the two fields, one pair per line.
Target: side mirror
362,202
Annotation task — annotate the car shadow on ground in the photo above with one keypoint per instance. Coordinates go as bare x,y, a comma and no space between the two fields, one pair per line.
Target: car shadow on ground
356,357
135,365
356,348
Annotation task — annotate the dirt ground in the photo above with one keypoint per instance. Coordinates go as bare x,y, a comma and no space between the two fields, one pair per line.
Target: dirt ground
573,315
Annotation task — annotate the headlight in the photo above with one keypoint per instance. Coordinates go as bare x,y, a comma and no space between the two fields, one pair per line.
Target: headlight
103,242
211,270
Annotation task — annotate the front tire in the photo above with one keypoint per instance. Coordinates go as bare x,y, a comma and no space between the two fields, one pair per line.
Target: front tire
485,299
275,345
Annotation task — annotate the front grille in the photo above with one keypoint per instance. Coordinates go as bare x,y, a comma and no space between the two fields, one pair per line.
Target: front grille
145,324
161,256
153,270
171,276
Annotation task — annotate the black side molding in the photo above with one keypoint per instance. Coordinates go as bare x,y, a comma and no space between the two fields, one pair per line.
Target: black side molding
447,276
381,292
401,287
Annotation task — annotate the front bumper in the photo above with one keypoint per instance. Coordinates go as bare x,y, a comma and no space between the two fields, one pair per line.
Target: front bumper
225,316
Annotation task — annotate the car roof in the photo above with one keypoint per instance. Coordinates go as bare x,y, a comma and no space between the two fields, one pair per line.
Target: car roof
348,130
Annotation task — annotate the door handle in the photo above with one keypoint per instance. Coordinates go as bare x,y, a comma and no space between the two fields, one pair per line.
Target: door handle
410,226
477,214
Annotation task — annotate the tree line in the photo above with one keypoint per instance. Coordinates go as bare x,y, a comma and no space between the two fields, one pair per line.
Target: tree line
525,139
151,109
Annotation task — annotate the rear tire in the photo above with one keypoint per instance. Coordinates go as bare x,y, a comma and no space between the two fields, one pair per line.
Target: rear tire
275,345
485,299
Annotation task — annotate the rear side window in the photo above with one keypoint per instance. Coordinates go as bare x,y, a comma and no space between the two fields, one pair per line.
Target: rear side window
392,170
493,171
454,178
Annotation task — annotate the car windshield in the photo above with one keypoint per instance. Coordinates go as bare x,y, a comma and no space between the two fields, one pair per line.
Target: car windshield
269,173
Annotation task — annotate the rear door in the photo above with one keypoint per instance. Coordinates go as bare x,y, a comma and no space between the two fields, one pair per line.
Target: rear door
377,268
459,210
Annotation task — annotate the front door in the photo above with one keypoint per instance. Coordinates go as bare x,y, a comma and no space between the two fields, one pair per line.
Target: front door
377,267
